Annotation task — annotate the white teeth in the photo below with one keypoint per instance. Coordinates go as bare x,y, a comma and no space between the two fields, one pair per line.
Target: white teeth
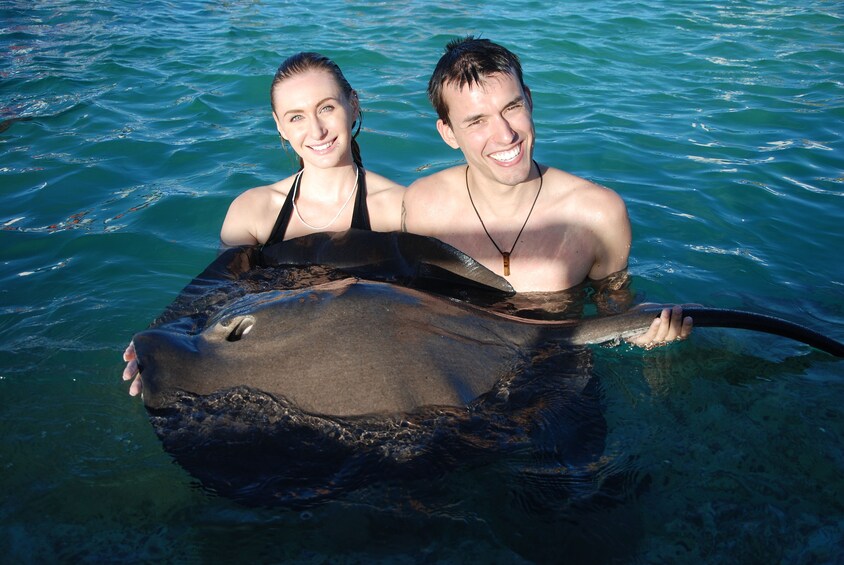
321,147
506,156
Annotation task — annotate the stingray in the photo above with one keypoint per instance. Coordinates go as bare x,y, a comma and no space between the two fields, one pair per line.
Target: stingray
380,329
291,371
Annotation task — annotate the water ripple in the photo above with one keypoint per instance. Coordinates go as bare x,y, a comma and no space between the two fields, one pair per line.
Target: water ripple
126,129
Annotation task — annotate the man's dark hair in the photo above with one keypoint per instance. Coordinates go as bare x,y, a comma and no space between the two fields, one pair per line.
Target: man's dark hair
467,61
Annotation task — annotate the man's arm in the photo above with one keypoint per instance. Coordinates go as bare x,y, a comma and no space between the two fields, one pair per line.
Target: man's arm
413,204
610,225
615,236
403,215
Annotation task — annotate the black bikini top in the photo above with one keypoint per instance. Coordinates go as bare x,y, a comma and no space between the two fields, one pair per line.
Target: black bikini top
360,215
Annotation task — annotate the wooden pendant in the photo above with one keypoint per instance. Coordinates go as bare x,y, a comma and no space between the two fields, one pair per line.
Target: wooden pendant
506,258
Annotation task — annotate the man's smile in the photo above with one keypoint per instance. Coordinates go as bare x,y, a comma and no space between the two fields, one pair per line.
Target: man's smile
507,156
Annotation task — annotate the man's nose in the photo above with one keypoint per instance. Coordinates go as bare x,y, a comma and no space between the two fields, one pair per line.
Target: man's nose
504,133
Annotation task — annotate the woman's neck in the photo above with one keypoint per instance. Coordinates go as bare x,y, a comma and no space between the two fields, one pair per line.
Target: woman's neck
327,186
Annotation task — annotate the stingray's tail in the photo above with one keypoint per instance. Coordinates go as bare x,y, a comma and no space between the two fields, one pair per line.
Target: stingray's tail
599,330
724,318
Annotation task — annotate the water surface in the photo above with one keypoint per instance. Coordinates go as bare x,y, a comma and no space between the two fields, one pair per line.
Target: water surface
126,129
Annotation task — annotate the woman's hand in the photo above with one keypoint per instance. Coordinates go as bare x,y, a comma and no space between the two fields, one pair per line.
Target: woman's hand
131,371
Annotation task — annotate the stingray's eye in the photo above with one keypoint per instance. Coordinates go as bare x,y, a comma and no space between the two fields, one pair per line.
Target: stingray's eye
239,327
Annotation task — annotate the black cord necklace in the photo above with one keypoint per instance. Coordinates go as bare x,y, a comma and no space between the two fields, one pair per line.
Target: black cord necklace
505,255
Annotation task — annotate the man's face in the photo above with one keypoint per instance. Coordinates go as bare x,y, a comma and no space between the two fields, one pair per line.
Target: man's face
492,124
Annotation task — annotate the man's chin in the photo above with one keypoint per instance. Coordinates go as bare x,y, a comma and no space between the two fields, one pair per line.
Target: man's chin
512,175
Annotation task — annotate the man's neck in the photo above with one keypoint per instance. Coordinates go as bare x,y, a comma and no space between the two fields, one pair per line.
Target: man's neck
499,199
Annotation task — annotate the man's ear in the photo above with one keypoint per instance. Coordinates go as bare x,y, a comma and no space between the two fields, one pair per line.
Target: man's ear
278,126
447,134
529,98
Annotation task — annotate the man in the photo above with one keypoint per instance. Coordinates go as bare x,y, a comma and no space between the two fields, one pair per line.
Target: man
540,227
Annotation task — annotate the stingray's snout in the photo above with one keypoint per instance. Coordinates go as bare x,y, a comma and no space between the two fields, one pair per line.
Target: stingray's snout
146,344
160,355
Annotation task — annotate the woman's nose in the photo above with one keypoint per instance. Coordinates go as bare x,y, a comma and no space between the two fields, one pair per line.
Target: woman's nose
317,128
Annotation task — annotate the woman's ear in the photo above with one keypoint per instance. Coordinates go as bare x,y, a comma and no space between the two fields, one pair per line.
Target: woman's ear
355,103
278,126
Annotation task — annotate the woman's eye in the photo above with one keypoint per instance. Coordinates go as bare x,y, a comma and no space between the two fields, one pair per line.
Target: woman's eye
295,118
326,108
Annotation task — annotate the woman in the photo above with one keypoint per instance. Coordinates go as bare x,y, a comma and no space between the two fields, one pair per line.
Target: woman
315,111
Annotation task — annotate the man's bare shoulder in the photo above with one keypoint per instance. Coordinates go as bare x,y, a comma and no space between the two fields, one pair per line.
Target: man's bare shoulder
597,213
435,185
430,203
582,195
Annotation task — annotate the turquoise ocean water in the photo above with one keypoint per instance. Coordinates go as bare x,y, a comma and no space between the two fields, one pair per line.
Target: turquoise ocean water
126,129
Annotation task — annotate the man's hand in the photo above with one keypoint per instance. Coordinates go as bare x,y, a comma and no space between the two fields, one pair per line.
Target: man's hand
670,326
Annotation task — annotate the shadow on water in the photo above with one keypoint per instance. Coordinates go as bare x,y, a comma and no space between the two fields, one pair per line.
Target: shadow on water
526,459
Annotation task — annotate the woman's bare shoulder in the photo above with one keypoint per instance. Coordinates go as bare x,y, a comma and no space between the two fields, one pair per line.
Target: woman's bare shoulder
383,198
383,192
260,195
252,211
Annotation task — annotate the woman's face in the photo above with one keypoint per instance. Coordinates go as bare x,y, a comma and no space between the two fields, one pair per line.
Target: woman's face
314,115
